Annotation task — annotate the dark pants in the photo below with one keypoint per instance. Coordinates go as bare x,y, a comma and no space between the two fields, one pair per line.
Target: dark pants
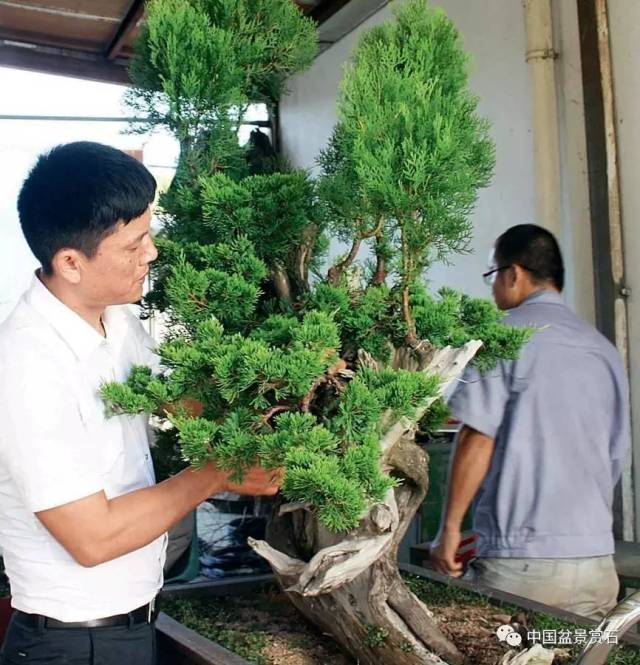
118,645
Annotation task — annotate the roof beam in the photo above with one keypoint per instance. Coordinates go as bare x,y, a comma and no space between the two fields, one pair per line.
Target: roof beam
64,62
54,11
41,39
128,24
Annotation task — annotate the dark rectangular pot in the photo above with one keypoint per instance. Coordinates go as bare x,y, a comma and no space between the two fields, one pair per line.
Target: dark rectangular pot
179,645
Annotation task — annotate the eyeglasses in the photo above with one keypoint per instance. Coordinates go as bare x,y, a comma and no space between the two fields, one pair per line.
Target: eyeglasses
490,276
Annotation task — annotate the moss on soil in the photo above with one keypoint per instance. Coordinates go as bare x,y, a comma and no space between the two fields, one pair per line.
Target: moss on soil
266,630
448,603
263,628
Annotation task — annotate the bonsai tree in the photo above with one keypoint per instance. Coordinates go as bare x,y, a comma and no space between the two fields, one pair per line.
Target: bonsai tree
325,377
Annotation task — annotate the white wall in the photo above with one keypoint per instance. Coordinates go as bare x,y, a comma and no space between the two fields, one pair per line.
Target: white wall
21,141
624,19
494,34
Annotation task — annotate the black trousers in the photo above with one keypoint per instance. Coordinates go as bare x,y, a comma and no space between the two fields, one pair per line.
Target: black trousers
118,645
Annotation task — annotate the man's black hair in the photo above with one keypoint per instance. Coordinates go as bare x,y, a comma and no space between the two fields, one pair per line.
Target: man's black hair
535,249
75,195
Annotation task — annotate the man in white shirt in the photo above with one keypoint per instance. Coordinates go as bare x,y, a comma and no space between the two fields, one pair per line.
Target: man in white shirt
82,523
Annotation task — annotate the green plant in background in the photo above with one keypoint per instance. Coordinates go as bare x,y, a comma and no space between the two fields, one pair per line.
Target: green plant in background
291,371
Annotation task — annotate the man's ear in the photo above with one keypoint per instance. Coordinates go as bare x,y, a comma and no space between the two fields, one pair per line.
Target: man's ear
522,277
67,264
514,275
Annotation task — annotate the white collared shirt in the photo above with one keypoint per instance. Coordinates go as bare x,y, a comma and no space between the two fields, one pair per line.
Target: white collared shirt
57,446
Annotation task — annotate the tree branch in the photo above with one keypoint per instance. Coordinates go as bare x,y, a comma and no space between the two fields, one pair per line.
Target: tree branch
407,265
270,412
198,301
281,284
331,376
336,271
377,232
303,257
305,403
411,337
380,275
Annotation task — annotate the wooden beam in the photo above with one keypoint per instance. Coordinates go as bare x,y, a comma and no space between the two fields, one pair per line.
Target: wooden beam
128,24
42,39
70,118
56,11
64,62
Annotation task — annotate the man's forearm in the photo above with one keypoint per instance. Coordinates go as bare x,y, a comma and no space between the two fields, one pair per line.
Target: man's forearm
95,529
471,462
138,518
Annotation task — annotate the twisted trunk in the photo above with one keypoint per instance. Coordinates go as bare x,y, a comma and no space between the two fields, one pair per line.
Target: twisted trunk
348,584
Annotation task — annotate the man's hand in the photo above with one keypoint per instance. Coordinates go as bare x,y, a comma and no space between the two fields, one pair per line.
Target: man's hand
443,553
257,481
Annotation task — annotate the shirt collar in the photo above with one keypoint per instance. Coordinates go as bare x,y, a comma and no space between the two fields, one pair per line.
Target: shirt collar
81,338
548,296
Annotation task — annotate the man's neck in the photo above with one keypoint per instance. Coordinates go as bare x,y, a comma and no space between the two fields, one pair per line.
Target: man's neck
91,314
532,289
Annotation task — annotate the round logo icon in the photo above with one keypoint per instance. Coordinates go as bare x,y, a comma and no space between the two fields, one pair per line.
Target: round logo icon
504,631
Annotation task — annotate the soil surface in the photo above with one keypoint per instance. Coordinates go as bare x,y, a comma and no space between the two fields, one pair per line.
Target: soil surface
266,629
263,628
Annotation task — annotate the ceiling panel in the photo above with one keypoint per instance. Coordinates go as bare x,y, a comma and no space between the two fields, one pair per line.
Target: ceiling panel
45,34
42,27
102,8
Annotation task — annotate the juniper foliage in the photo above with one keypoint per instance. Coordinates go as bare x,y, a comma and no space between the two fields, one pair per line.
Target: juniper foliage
270,355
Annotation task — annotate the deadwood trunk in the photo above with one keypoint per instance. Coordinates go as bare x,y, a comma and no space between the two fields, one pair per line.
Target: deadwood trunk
349,584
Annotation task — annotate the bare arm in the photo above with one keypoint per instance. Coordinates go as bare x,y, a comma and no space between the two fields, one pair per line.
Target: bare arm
95,529
471,463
